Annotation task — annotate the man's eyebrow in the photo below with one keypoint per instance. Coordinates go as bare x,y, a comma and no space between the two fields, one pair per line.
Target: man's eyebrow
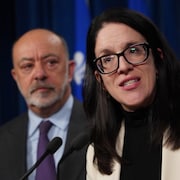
49,55
26,59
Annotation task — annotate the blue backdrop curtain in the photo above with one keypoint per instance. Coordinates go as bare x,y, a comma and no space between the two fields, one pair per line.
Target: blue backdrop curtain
70,18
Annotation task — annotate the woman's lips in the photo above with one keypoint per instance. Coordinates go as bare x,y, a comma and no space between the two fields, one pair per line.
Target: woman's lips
130,83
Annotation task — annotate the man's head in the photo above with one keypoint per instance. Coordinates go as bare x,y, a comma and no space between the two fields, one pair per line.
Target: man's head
42,70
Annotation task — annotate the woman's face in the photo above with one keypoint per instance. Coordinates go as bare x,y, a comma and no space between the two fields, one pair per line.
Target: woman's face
132,86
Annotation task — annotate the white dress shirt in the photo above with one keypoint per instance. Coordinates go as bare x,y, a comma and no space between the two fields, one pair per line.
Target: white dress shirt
60,121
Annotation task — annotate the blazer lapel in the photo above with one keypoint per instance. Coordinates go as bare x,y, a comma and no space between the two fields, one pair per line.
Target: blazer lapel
93,173
170,164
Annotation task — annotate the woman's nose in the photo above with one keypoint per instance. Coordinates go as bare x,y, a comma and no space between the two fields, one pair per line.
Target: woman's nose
124,66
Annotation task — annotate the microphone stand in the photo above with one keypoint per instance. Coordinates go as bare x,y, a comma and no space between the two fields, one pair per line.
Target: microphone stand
51,149
34,166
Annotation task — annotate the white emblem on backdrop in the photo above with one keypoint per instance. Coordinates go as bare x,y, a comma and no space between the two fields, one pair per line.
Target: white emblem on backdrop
79,58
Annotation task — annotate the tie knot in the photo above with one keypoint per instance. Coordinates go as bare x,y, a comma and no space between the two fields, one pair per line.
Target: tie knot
44,127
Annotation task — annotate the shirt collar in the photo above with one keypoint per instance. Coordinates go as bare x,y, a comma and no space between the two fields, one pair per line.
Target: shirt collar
60,119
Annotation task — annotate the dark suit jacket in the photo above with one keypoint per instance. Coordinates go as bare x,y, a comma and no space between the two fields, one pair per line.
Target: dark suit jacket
13,137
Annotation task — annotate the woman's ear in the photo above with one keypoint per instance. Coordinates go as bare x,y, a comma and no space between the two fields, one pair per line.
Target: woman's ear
99,79
98,76
160,53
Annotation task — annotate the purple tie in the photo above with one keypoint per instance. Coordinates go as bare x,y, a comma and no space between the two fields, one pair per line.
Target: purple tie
46,170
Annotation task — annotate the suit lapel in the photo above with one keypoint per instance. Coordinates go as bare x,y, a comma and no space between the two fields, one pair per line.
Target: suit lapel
15,141
74,164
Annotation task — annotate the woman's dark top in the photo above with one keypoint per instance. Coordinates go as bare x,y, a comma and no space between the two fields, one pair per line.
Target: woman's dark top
141,159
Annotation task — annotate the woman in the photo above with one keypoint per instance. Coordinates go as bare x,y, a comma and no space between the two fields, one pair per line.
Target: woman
131,95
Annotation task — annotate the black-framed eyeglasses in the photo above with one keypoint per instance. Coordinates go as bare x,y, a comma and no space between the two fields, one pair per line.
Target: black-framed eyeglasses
135,54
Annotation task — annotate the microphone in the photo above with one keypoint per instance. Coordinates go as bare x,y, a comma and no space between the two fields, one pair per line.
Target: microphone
52,147
77,143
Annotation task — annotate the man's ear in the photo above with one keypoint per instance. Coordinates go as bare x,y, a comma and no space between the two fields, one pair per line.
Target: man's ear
13,73
71,70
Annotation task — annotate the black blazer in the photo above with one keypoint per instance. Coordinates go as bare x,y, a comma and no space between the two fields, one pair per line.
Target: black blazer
13,137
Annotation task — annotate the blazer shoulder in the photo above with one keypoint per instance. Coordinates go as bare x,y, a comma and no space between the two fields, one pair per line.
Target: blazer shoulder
16,124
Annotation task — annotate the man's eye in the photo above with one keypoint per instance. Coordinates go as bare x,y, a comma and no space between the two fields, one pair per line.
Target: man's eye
26,66
52,63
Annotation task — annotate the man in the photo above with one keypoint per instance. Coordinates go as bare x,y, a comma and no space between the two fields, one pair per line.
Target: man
43,73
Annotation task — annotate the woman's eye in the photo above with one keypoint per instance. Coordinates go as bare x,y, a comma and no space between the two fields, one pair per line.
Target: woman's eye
133,50
107,59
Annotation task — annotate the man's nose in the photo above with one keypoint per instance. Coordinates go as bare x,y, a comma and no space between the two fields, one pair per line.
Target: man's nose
39,72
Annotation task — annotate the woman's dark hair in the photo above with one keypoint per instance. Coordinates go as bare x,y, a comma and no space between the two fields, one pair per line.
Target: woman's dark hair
105,113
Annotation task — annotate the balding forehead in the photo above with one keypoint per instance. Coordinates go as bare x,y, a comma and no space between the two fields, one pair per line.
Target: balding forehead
39,34
38,38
